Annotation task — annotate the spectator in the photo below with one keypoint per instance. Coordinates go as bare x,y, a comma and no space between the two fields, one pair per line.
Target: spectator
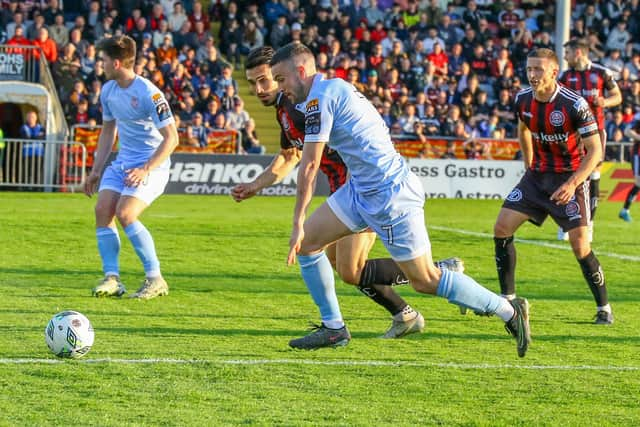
198,131
230,41
59,32
280,32
237,117
373,14
250,142
18,39
160,33
104,28
439,59
614,62
177,17
157,16
166,53
52,11
251,38
33,30
224,80
472,16
220,122
618,37
408,119
184,37
17,22
32,152
213,109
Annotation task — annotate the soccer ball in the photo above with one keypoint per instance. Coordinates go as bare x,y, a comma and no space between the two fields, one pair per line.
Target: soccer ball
69,334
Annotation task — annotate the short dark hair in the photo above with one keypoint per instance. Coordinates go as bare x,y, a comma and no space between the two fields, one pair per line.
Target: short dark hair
259,56
577,44
290,51
543,52
122,48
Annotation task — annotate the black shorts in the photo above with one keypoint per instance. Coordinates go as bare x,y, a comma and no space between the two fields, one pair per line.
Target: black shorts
532,197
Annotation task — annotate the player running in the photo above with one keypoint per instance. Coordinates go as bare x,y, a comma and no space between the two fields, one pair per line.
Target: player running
381,193
555,127
138,111
590,80
633,133
348,256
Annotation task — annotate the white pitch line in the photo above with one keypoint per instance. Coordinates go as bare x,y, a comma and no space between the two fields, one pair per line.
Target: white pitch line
564,247
400,364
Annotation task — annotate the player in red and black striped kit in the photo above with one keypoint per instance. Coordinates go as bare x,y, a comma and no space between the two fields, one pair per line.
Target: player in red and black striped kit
633,133
554,125
374,277
591,81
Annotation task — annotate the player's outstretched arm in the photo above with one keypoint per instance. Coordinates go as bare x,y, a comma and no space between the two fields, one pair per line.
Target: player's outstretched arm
169,143
307,173
105,142
280,166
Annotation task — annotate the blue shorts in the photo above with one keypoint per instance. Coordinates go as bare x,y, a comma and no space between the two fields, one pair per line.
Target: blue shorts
396,214
152,187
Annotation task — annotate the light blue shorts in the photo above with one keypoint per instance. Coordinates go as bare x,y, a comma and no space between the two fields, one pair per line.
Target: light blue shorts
148,191
396,214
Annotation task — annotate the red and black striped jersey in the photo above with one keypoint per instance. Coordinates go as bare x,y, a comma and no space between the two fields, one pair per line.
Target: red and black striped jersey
556,126
291,121
590,83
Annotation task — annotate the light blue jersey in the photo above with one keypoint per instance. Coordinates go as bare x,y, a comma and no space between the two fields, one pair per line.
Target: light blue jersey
139,111
336,113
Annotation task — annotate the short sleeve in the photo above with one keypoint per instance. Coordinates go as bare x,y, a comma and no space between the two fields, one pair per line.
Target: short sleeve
318,120
160,111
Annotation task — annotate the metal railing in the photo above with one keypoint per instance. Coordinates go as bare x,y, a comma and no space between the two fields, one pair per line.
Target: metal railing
43,165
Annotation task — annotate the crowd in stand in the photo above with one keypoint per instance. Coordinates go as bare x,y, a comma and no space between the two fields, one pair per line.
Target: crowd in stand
431,67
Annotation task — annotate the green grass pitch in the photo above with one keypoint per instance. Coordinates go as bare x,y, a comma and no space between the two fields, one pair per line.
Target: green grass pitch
214,352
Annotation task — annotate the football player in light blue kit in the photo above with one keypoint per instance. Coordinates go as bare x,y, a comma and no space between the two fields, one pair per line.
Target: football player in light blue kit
381,193
147,134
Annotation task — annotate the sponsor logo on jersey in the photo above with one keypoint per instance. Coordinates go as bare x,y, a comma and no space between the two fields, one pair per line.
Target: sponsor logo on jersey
550,138
312,124
156,98
515,195
556,118
163,111
313,106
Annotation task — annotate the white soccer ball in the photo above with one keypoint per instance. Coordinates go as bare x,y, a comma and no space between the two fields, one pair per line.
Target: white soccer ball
69,334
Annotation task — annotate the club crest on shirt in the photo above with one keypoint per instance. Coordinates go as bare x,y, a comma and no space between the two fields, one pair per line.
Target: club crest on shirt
515,195
572,209
593,78
313,106
134,102
156,98
556,118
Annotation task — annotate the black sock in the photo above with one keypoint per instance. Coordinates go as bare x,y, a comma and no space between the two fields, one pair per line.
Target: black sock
594,191
378,275
506,264
631,196
592,272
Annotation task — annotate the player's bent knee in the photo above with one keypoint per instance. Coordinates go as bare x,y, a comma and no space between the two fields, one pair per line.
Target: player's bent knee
349,275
